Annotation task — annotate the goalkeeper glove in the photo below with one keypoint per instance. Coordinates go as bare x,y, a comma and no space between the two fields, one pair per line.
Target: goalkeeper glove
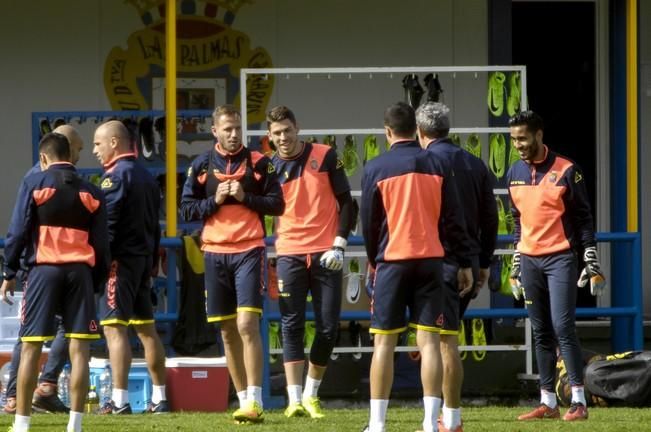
334,258
514,278
592,272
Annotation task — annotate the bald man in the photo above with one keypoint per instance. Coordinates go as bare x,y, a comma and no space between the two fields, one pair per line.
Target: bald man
46,398
76,143
132,203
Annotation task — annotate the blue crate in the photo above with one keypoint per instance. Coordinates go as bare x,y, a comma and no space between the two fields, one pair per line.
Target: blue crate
140,385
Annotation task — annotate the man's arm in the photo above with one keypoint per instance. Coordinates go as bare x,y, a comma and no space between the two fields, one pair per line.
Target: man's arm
195,205
347,214
577,200
114,191
20,226
271,202
514,212
371,216
341,188
488,222
99,240
454,222
157,227
515,277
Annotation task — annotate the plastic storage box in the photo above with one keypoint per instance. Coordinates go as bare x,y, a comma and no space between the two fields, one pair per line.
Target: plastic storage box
139,382
197,384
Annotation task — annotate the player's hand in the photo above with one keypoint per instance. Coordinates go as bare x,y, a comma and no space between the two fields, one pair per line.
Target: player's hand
236,190
370,280
515,277
592,272
8,287
464,278
481,281
334,258
223,191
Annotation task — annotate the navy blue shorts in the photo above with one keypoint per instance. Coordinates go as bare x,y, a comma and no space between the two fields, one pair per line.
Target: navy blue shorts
61,289
127,294
234,283
411,285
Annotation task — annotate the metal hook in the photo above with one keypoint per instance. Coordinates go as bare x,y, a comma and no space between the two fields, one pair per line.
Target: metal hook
265,77
329,76
370,76
391,76
349,76
475,75
308,76
454,75
287,76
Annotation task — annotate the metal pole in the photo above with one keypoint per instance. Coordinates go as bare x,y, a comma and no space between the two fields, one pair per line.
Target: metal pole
170,117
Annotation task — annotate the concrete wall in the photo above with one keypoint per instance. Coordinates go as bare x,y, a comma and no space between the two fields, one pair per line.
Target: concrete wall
53,60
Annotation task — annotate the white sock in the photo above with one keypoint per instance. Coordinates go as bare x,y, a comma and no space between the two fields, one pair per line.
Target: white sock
158,394
241,395
378,415
294,393
451,417
120,397
311,387
578,395
548,398
432,407
21,423
254,393
74,421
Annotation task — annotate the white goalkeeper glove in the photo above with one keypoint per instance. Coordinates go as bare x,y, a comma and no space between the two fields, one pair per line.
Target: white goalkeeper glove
592,272
515,279
334,258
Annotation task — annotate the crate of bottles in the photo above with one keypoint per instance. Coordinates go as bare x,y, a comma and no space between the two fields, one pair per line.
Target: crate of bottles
140,385
10,321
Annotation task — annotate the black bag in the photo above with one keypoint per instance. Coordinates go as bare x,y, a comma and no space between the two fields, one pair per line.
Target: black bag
192,333
621,379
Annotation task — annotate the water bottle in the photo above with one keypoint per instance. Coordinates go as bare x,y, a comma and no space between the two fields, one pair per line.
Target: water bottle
4,380
105,385
92,401
64,385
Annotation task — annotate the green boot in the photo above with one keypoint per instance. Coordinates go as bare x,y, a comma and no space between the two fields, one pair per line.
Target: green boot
496,93
497,155
371,149
351,158
473,145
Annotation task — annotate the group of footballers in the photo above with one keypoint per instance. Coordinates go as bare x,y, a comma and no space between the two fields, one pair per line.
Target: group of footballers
68,240
429,223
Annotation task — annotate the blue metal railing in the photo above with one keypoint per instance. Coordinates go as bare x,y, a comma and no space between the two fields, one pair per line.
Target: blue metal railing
633,310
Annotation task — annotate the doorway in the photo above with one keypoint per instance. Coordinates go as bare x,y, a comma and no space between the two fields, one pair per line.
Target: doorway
556,42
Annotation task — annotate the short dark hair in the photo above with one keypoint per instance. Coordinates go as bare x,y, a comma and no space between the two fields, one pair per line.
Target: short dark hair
227,110
280,113
401,119
56,146
530,119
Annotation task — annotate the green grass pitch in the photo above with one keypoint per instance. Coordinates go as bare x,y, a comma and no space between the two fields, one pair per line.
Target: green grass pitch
399,419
